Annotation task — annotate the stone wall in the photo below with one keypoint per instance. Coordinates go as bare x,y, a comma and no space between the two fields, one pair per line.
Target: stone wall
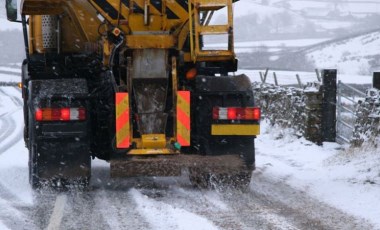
290,107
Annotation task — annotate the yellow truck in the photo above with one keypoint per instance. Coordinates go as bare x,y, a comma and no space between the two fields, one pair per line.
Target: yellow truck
134,82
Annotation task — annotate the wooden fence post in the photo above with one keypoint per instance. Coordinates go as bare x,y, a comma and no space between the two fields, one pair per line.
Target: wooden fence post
275,78
318,75
299,80
266,74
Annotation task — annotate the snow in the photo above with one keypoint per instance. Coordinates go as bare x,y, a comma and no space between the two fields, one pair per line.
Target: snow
332,24
14,159
9,78
248,7
164,216
352,7
14,177
289,77
346,179
300,5
7,25
3,227
9,69
350,56
285,43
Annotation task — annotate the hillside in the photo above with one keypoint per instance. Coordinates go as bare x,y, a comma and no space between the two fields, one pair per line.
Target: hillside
295,19
356,55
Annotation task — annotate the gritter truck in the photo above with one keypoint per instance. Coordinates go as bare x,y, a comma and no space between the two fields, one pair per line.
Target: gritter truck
137,83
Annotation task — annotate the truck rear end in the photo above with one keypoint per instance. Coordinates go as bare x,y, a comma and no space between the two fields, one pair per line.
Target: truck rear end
133,83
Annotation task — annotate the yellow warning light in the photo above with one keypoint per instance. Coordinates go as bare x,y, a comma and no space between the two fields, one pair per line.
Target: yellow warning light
19,85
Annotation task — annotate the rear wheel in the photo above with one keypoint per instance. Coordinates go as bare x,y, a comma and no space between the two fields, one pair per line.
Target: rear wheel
225,175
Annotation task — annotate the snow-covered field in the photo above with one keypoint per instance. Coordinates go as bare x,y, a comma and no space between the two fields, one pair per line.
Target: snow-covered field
353,6
346,180
267,45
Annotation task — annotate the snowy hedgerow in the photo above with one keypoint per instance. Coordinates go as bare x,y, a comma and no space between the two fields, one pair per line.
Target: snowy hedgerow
367,124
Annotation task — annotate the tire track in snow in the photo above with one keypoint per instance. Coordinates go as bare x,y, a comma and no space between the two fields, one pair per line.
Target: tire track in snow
167,216
5,129
221,210
120,211
78,211
13,211
207,204
9,125
292,207
268,205
12,217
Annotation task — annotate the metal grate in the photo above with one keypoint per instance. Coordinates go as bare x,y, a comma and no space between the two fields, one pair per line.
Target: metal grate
49,31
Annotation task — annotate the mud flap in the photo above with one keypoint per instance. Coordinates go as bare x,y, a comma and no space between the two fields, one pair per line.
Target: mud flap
59,152
66,160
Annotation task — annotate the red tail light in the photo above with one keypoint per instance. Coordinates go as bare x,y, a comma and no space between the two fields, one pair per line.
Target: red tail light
256,114
60,114
65,114
39,116
215,113
233,113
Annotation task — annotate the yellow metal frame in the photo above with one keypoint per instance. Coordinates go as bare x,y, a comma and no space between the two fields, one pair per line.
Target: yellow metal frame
192,52
235,130
150,41
153,141
196,30
175,91
161,32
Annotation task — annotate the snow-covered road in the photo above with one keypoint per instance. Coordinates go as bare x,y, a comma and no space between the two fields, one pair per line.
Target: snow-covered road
273,201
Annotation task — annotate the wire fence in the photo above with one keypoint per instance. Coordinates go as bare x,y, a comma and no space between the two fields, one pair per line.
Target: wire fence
289,78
